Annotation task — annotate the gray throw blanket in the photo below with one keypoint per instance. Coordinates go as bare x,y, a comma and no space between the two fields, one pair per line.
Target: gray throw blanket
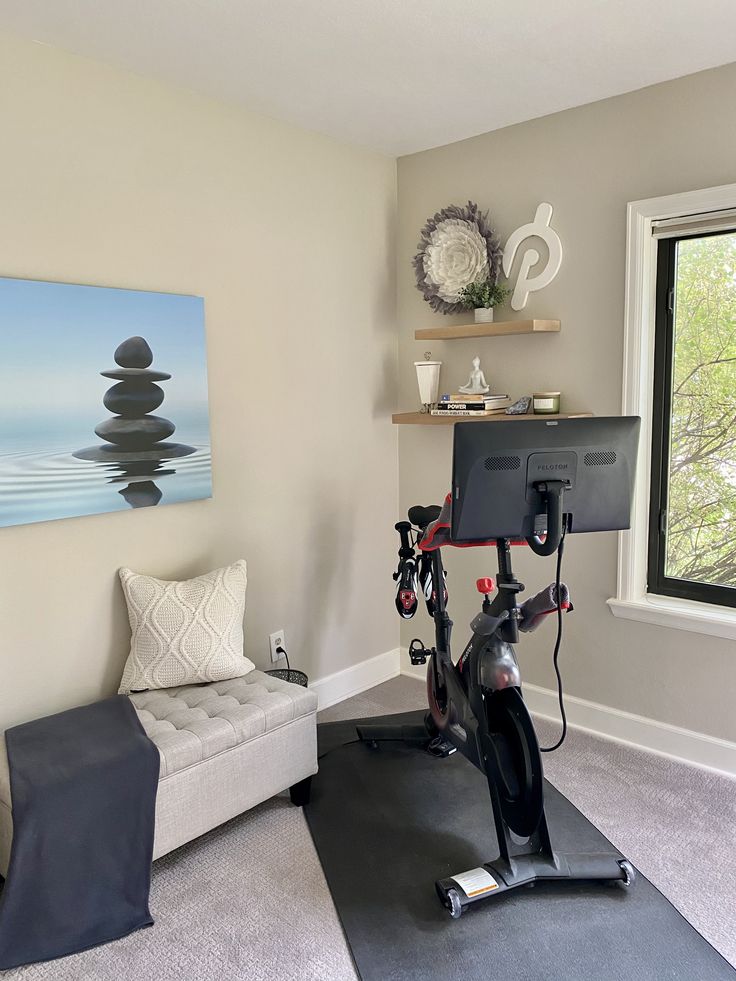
83,786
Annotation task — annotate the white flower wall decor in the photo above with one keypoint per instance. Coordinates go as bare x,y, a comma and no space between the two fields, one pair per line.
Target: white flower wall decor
457,247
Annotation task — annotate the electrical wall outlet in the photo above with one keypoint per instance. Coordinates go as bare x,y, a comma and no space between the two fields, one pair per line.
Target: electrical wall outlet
277,639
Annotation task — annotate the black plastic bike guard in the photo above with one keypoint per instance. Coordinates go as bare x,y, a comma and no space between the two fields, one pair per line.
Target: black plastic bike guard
513,757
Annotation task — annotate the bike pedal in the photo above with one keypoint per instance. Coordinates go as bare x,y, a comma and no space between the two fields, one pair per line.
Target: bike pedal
441,747
418,653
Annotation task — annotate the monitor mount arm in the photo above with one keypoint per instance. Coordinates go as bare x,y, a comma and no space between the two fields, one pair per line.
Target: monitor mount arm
552,492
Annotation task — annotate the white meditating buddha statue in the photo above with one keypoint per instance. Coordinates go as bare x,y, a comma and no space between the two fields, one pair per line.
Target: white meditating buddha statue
476,384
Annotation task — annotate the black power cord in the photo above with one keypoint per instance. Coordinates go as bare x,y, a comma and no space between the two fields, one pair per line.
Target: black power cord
282,650
558,643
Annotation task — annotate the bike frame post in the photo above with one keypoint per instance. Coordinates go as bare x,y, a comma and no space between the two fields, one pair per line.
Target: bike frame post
508,589
442,622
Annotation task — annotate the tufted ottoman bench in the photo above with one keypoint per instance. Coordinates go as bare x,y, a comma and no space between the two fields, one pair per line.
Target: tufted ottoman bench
224,746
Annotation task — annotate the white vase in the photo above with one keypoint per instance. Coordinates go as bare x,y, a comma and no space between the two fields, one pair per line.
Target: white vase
484,315
428,377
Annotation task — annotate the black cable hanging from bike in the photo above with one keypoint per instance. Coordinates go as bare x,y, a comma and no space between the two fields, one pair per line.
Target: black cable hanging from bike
558,643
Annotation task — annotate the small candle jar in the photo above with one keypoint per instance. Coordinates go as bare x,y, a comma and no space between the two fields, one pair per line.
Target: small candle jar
546,403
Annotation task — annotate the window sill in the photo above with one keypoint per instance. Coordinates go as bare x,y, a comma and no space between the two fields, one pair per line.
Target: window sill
678,614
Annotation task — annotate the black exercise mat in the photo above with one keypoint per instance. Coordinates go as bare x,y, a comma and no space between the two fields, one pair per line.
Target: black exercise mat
388,822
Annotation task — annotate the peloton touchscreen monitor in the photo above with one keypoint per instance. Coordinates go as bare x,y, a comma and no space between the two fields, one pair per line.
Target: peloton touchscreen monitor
496,466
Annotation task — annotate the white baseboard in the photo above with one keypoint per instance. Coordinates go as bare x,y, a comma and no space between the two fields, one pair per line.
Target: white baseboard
685,745
662,738
418,671
360,677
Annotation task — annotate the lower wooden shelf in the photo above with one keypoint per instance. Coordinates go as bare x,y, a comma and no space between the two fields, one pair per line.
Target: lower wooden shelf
426,419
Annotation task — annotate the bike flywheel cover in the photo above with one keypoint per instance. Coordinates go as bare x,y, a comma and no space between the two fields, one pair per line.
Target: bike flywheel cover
515,760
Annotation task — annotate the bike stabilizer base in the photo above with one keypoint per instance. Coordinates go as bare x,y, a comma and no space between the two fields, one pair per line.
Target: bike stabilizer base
458,892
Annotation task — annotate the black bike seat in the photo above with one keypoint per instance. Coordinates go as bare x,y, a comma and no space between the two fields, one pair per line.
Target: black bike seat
421,517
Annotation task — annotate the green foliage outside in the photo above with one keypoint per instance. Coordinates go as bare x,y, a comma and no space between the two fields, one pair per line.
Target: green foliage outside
701,519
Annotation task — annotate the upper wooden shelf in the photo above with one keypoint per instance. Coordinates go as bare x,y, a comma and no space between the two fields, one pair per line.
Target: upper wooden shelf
487,330
426,419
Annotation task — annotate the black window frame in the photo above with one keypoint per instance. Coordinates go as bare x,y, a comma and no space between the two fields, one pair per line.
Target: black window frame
657,582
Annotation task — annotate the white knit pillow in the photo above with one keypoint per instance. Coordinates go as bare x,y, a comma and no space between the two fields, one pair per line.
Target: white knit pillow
184,633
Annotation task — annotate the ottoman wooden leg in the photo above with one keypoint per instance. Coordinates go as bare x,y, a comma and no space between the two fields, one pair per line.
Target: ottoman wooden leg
300,792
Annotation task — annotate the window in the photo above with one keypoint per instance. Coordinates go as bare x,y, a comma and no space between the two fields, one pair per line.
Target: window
692,514
677,563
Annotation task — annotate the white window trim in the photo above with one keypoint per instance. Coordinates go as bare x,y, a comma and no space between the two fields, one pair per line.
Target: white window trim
632,601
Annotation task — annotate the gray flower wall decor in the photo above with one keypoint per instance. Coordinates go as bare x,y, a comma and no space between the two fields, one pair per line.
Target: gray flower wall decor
457,247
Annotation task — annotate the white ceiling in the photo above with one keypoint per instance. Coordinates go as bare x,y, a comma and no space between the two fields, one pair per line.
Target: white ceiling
394,75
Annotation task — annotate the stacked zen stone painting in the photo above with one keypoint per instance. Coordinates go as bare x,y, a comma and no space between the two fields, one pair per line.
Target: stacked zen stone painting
124,368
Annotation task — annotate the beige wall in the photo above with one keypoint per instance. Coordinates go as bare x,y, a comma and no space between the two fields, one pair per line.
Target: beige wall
588,163
110,179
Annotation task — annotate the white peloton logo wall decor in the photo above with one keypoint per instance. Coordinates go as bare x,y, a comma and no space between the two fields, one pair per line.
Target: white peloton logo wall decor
539,228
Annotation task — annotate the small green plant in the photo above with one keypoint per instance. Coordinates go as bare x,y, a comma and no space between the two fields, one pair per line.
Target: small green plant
484,294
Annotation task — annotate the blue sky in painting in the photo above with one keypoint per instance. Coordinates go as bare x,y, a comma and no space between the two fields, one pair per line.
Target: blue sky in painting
56,338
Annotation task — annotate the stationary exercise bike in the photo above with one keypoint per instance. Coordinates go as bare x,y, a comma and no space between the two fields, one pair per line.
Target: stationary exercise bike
476,705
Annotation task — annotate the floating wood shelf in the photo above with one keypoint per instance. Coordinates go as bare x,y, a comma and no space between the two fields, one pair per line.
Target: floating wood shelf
488,330
426,419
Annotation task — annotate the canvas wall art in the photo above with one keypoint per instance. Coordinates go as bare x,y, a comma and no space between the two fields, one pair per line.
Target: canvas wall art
103,400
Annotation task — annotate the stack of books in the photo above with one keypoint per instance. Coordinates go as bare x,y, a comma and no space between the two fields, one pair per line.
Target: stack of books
460,404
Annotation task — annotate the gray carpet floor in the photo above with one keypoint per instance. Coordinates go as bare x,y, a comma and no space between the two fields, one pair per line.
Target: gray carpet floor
248,902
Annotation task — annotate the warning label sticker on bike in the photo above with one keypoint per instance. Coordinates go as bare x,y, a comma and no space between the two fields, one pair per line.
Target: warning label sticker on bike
475,882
